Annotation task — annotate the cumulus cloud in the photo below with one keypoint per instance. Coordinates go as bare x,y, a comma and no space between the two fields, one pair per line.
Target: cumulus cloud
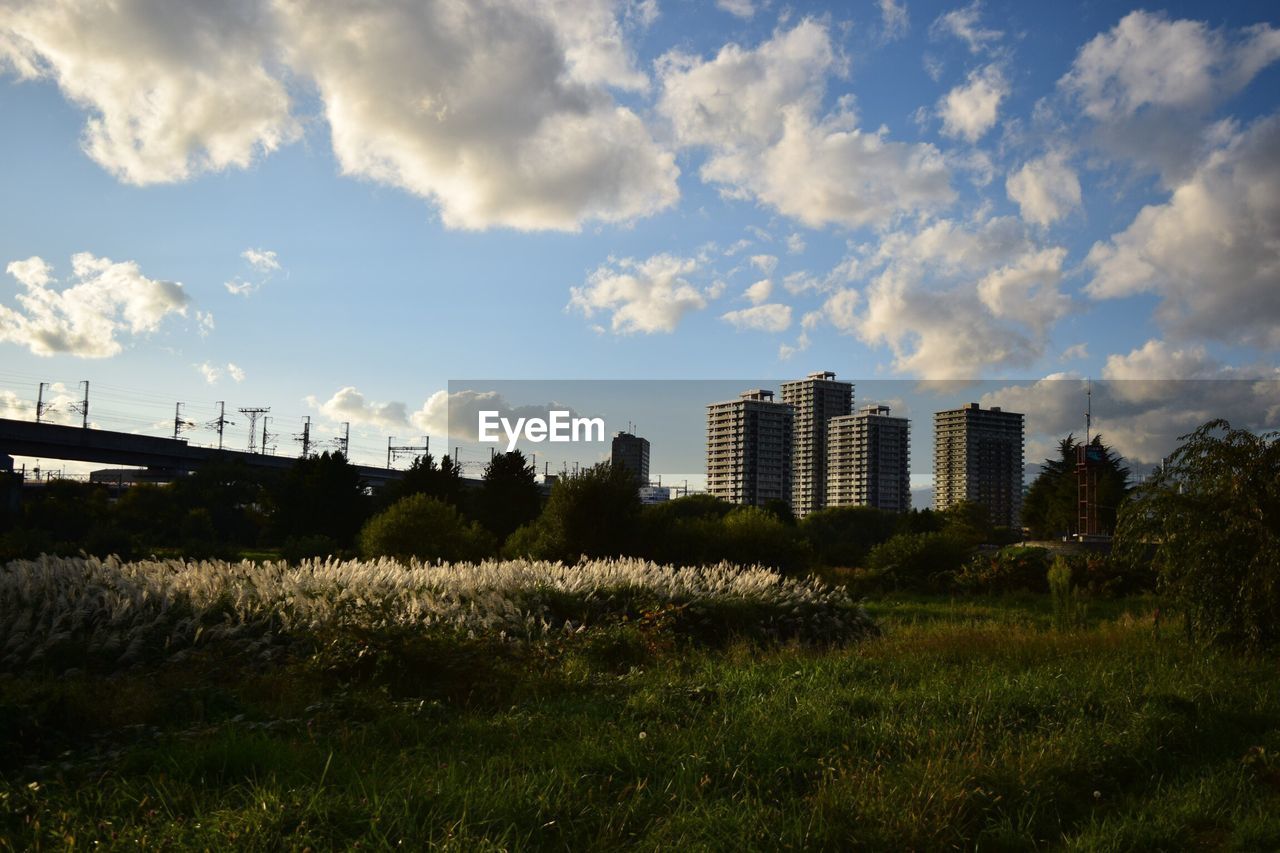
457,414
172,87
502,113
1076,352
971,109
765,263
893,19
966,24
922,302
499,112
1046,189
758,112
759,292
772,317
795,244
1150,81
1146,400
1212,251
348,404
642,296
104,301
744,9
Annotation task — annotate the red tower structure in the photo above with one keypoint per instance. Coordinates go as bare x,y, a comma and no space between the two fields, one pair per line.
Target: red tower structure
1090,458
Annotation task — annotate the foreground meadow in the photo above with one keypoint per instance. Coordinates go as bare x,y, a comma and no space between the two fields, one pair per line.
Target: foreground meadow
641,708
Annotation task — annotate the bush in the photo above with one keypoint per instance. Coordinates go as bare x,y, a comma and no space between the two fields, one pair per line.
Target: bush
918,561
592,514
1011,569
756,536
1209,523
843,536
424,528
1068,611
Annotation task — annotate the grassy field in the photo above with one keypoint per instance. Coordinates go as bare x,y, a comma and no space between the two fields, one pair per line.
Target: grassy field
969,723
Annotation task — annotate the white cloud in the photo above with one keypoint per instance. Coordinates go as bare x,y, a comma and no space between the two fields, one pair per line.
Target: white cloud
922,303
772,317
14,407
971,109
1149,82
744,9
172,88
1046,189
263,263
262,260
1026,290
1076,352
965,25
893,19
765,263
105,300
1212,251
1146,400
758,113
212,372
642,296
204,323
457,414
642,13
795,243
499,112
759,292
349,405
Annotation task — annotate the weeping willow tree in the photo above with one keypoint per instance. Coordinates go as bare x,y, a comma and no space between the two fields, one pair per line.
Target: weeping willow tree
1209,522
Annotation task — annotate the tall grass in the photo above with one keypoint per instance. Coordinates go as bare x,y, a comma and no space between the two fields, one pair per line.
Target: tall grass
61,613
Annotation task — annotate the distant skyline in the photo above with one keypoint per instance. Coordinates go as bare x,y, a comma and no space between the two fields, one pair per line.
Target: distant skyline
334,209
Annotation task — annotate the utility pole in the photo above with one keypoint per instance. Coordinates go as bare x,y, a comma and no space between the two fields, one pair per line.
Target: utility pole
265,436
395,451
41,408
83,406
221,422
178,423
344,443
305,438
254,413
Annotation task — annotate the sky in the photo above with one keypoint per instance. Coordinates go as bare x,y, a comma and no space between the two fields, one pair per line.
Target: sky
333,209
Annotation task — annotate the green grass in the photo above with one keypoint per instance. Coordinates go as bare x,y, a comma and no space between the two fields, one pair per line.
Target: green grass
969,724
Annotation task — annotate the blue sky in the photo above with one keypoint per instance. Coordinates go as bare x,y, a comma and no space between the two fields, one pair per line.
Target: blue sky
334,208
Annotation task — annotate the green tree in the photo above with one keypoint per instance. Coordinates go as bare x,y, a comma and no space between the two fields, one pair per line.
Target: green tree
842,536
509,495
426,528
233,495
1050,508
320,496
595,513
1209,523
425,477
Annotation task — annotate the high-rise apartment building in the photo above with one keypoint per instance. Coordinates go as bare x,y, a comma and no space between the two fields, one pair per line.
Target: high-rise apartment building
869,460
978,457
816,399
749,449
631,452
